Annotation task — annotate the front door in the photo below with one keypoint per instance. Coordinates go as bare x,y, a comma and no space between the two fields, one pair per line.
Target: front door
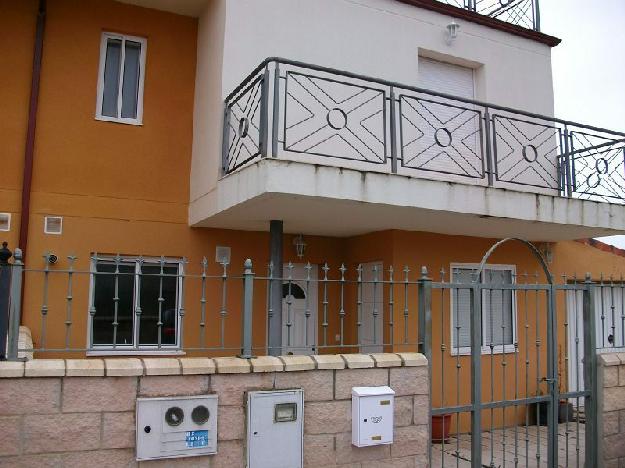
299,310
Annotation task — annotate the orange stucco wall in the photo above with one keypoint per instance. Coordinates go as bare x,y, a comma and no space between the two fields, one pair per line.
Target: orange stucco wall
17,34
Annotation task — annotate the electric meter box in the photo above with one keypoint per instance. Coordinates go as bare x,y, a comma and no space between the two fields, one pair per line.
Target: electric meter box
372,416
275,429
176,427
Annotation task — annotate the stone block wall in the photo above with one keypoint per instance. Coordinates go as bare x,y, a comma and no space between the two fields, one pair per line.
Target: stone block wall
611,435
80,413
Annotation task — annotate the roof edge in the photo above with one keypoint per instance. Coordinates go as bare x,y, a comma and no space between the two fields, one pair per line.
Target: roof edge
443,8
597,244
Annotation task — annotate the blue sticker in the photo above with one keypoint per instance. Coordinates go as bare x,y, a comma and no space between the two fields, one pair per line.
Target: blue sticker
195,439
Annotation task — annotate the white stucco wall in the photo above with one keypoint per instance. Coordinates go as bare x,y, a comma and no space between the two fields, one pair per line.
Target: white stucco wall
208,105
383,39
379,38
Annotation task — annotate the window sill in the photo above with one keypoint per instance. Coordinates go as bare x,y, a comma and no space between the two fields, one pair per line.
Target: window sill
484,352
103,118
135,352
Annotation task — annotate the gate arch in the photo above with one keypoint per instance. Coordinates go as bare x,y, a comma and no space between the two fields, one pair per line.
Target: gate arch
528,244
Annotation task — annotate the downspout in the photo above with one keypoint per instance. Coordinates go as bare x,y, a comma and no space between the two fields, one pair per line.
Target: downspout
30,133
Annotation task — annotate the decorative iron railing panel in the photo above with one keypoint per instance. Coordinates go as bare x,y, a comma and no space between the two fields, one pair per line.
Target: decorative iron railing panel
527,152
334,118
441,136
243,128
598,166
524,13
318,115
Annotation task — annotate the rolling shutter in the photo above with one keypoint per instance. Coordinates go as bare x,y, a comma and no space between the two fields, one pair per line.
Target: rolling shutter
446,78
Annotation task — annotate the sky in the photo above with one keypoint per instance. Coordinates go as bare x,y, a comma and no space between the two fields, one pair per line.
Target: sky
589,64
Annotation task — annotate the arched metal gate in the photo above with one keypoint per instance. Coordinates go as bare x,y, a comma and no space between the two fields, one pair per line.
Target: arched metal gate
499,343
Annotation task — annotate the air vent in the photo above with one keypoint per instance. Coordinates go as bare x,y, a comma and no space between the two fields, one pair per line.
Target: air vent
53,225
5,221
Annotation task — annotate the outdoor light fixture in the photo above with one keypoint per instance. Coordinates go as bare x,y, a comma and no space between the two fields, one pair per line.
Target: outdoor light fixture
452,31
300,245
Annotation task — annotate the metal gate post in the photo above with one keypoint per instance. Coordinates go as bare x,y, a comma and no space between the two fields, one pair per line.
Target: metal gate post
590,372
476,374
15,305
248,297
5,286
425,315
425,336
552,378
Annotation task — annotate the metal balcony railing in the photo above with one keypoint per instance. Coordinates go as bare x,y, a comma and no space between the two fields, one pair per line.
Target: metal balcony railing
296,111
524,13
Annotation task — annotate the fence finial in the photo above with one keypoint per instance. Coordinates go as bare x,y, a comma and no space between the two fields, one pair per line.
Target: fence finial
5,254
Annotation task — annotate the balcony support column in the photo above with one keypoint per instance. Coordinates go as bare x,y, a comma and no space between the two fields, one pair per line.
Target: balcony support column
274,324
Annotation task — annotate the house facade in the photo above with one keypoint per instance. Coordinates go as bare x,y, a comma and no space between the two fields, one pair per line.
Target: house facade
153,146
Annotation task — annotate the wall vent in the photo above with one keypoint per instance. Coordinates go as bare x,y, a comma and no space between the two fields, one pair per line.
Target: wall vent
53,225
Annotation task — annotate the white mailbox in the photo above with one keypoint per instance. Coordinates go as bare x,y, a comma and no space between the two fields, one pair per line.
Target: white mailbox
176,427
275,429
372,416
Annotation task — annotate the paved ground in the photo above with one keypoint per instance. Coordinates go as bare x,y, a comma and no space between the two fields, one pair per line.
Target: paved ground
457,451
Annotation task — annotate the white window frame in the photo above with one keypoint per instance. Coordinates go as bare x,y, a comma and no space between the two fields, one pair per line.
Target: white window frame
485,349
135,347
100,90
7,216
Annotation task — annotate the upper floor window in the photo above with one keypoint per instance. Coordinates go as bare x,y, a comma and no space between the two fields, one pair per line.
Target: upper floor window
120,78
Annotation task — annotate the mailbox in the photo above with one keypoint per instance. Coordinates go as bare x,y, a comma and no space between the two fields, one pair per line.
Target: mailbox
372,416
275,429
176,427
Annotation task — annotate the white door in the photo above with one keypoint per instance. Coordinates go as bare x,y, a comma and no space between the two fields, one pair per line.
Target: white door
372,330
299,310
609,328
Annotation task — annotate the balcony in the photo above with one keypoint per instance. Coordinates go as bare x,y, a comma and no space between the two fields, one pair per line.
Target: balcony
391,156
523,13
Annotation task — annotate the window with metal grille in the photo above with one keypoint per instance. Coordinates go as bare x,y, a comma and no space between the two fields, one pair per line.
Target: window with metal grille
120,79
135,303
498,311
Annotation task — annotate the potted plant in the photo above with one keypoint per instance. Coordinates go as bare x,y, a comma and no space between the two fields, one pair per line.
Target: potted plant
441,428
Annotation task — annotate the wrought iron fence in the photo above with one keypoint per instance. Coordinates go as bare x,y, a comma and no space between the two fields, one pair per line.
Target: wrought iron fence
530,357
130,305
296,111
524,13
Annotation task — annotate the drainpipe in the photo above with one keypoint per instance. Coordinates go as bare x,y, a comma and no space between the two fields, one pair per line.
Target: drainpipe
30,134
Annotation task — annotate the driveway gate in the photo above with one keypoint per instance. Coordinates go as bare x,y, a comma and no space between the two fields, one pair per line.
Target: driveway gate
502,393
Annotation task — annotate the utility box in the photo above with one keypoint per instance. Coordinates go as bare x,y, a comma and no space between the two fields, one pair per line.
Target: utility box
275,429
176,427
372,416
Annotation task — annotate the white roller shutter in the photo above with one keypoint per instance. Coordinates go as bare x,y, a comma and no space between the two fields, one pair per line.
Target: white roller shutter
446,78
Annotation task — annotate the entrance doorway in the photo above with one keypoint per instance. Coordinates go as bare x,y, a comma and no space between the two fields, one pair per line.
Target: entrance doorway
299,310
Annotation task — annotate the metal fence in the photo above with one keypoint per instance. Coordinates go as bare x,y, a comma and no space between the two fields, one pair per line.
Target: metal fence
524,13
295,111
112,303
